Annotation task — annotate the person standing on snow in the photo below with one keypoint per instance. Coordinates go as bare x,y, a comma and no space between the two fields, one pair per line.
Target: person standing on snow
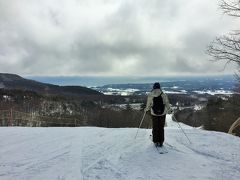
158,103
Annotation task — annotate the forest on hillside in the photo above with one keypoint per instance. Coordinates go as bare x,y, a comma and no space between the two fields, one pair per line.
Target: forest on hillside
27,108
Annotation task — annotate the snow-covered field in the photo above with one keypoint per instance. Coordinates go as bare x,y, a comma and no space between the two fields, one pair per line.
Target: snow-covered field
89,153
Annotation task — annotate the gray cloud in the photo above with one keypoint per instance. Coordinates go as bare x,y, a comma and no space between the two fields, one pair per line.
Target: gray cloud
105,37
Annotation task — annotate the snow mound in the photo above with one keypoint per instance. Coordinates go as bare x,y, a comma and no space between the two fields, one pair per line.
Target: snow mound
89,153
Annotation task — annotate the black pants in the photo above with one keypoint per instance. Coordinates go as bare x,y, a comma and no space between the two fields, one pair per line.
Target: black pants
158,123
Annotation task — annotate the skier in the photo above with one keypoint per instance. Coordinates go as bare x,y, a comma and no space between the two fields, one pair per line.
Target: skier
158,103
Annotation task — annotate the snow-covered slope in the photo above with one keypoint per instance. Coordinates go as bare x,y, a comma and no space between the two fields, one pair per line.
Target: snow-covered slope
88,153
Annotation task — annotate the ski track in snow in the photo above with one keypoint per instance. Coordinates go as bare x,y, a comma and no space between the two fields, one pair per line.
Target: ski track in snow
90,153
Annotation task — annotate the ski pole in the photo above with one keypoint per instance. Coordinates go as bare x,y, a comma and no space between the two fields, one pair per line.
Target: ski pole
181,128
140,124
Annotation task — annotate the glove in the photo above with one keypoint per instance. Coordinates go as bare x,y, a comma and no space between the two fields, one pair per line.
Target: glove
146,110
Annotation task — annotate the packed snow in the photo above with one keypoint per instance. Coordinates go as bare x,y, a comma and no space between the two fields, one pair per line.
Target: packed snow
90,153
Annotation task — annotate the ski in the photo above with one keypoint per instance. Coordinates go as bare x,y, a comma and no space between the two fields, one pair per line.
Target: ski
161,150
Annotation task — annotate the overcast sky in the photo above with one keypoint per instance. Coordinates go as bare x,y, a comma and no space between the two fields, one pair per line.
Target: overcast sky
110,38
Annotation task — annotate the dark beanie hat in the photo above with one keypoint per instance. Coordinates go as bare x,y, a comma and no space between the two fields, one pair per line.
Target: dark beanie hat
156,85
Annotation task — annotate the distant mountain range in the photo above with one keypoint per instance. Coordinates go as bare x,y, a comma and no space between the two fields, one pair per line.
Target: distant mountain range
90,81
13,81
188,85
177,85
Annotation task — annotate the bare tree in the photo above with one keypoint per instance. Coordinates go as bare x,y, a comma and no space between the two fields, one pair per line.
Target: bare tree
230,7
227,47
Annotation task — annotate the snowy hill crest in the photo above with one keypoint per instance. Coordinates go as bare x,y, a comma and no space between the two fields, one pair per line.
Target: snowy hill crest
90,153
